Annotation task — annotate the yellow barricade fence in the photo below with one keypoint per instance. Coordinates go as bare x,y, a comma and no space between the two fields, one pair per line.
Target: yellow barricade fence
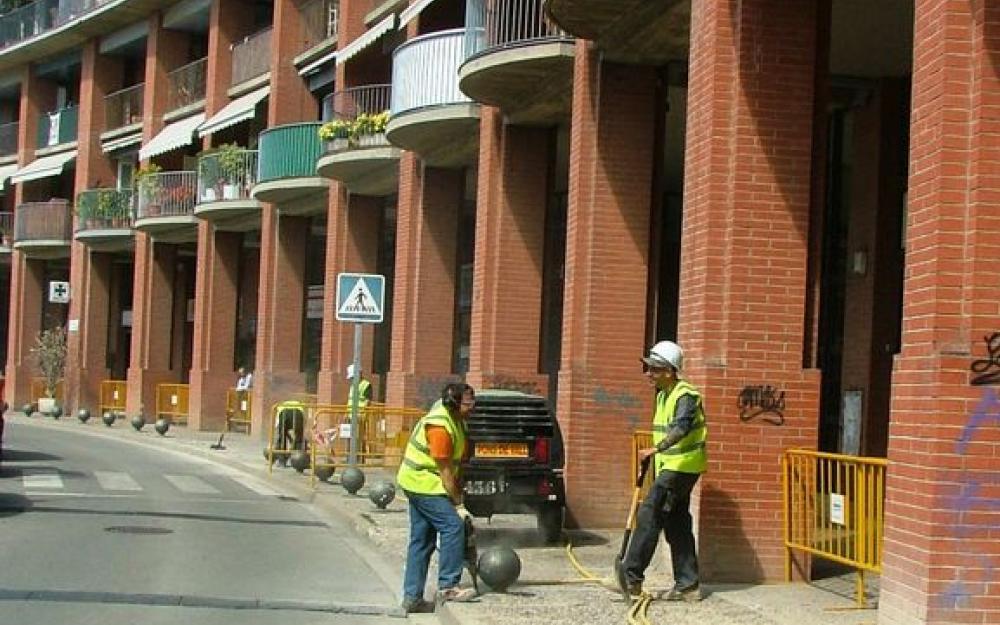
113,396
641,440
38,390
276,446
172,403
834,509
239,409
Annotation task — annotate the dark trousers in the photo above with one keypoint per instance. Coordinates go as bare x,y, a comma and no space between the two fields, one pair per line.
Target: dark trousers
666,508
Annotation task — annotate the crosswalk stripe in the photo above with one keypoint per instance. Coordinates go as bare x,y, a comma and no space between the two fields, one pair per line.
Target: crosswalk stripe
254,485
191,484
115,480
48,480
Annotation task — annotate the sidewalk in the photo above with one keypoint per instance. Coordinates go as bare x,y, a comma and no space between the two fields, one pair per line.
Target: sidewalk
536,599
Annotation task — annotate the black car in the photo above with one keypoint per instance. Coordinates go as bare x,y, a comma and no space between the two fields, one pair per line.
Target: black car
515,464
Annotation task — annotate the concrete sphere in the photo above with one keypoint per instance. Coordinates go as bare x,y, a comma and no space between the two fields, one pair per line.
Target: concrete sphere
28,409
499,567
382,493
109,418
83,415
161,426
56,412
138,421
299,460
324,473
352,479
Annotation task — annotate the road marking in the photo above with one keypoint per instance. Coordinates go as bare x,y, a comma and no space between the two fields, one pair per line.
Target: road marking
44,481
115,480
254,485
191,484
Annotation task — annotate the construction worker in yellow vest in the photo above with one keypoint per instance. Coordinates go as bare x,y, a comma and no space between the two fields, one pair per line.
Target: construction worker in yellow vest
679,436
364,388
429,475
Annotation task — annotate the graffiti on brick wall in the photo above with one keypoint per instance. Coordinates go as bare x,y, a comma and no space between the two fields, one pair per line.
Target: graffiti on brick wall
987,369
969,499
763,402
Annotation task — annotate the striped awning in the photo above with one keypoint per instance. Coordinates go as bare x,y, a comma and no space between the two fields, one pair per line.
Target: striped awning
45,167
412,11
372,35
172,137
240,109
121,142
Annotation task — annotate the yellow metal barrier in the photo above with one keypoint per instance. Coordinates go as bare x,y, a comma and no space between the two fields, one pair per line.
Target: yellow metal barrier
38,390
280,446
113,396
239,409
833,509
172,403
641,440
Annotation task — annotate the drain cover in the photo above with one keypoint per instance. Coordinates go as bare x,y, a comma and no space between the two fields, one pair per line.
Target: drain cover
137,529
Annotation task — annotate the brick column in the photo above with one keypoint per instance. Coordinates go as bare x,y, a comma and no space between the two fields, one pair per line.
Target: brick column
27,286
90,272
152,317
280,308
228,22
165,50
510,236
942,553
352,241
602,394
290,99
744,253
423,305
37,96
215,303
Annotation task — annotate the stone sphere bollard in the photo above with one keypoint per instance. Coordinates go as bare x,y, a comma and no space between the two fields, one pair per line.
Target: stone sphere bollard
28,409
83,415
352,479
161,426
56,411
323,473
499,567
109,418
299,460
382,494
138,421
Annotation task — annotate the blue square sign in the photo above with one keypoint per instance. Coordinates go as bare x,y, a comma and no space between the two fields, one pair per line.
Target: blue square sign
360,297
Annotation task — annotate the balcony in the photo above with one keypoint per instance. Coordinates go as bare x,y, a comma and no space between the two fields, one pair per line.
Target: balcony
225,179
319,22
186,85
286,169
8,139
518,60
104,219
252,57
628,31
357,151
123,108
43,229
38,17
57,127
6,232
165,205
429,113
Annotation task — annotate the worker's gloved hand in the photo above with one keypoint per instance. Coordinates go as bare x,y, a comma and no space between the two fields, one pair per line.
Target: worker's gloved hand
463,513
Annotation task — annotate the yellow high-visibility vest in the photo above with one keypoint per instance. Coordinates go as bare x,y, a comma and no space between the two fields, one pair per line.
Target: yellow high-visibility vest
363,386
688,454
418,472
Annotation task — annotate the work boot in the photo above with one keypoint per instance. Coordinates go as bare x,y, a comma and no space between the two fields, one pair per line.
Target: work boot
691,594
456,595
417,606
635,591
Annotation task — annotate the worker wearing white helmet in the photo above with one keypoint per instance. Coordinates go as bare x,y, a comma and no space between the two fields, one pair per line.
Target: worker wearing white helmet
679,436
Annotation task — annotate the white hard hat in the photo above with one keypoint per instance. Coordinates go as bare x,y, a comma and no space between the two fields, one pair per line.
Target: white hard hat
665,353
350,371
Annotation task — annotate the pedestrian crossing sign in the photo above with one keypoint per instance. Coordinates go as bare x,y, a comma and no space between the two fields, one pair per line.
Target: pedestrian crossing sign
360,297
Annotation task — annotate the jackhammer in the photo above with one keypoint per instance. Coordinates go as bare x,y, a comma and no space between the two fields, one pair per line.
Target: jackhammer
471,555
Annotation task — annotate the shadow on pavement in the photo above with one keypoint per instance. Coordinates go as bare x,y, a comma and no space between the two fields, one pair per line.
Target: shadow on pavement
26,455
12,504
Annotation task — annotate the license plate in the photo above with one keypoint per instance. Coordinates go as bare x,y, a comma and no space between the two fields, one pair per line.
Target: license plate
502,450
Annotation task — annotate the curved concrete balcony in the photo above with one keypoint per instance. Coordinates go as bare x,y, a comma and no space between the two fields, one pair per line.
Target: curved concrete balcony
628,31
518,60
225,179
164,206
43,229
286,169
429,114
357,151
104,219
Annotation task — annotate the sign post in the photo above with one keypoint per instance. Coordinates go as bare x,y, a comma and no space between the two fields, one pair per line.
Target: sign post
360,299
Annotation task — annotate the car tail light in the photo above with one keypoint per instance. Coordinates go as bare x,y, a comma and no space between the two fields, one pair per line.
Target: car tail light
541,450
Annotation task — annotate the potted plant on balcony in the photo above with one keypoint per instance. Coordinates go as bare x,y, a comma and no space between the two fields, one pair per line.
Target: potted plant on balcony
147,184
337,133
231,165
50,355
368,127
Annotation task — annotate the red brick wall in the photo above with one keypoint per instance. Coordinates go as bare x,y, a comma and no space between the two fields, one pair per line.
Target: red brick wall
290,100
37,96
166,50
743,264
942,542
228,22
26,284
507,277
603,395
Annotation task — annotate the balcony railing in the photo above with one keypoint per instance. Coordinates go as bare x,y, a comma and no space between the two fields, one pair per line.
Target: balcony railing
186,84
289,151
8,138
252,56
167,194
425,71
319,22
57,127
354,114
38,17
507,23
123,107
104,209
226,176
6,228
43,221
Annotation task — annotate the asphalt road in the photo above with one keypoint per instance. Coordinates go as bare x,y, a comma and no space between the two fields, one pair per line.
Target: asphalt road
97,530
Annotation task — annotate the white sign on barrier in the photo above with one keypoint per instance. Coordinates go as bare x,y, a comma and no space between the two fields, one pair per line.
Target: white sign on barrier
837,509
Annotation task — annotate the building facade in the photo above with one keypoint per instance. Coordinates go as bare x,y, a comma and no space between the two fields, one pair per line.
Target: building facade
799,193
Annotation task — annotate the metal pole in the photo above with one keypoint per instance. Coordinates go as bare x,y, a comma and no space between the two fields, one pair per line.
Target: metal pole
355,382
